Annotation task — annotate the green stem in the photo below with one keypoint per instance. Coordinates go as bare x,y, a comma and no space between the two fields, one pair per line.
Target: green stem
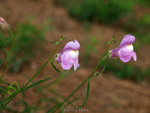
88,78
9,54
24,85
99,63
30,79
34,75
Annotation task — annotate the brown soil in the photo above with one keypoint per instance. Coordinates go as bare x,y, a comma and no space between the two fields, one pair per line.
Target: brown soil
107,94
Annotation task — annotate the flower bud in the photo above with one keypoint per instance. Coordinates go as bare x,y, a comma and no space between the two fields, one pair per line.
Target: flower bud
3,24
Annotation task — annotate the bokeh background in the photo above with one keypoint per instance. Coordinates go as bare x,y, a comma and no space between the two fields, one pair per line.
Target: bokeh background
123,88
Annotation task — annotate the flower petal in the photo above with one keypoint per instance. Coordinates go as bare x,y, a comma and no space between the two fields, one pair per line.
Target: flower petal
127,40
114,53
66,62
76,64
134,56
72,45
125,54
70,58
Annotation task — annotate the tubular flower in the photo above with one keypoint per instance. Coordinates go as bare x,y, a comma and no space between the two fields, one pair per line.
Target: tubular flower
69,55
125,50
3,24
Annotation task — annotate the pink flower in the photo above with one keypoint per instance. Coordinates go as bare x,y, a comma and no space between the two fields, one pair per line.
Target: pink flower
125,50
69,55
3,24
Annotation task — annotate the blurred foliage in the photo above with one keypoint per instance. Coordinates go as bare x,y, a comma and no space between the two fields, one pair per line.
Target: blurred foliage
126,71
138,27
122,14
104,11
28,38
89,47
145,3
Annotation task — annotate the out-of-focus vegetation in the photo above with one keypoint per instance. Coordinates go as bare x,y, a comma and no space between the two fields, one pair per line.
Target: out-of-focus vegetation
126,71
89,47
104,11
28,38
113,12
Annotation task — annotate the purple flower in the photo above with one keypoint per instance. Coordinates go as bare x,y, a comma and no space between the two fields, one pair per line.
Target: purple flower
69,55
3,24
125,50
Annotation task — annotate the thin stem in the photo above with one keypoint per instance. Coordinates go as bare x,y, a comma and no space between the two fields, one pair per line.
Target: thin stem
24,85
9,54
97,66
34,76
100,61
30,79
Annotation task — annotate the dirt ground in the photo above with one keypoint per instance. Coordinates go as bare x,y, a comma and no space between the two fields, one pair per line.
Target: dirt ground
107,94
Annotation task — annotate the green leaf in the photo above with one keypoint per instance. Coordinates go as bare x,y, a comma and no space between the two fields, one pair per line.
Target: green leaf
54,67
3,89
54,99
106,43
11,92
62,109
112,39
36,83
103,69
55,42
87,94
71,102
60,96
2,95
49,111
3,101
62,38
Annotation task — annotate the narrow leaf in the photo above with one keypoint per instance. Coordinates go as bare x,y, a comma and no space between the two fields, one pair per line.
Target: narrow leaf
36,83
60,96
55,42
3,101
2,95
71,102
54,99
105,43
87,94
62,38
62,109
49,111
103,69
54,67
114,41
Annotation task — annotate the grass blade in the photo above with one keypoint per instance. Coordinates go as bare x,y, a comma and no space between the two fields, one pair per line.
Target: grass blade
71,102
36,83
54,67
3,101
49,111
87,94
